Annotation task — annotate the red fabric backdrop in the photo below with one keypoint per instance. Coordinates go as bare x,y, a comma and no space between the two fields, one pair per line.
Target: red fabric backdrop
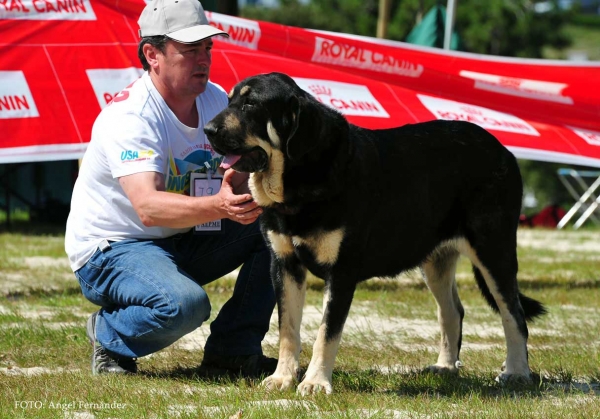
63,60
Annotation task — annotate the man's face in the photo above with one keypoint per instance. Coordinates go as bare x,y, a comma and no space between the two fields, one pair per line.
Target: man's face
184,68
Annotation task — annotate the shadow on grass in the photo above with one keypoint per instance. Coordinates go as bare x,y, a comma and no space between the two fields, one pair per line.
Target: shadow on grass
406,384
422,383
186,373
194,374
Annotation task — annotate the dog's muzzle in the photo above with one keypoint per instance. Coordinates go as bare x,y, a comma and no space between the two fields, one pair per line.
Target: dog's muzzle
211,128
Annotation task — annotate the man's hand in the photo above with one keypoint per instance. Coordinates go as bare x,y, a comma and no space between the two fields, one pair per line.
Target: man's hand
240,208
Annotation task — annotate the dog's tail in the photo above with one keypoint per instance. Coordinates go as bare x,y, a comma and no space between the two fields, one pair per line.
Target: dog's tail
531,307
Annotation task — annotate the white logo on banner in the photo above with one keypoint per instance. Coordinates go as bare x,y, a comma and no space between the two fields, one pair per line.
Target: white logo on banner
591,137
47,9
349,99
338,53
108,82
485,118
15,97
532,89
243,32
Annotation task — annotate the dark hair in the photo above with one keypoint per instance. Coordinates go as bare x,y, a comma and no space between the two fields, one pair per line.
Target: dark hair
157,41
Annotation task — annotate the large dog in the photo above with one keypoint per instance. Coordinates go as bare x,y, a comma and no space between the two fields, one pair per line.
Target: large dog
349,204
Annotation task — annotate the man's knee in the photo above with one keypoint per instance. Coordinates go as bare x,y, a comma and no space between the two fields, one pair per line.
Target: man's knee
183,312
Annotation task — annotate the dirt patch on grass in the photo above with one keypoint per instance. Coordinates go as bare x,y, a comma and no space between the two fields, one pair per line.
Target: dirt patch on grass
30,372
560,240
371,329
15,283
45,261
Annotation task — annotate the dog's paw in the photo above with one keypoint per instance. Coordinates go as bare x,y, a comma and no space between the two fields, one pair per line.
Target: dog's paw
278,382
444,369
308,387
505,379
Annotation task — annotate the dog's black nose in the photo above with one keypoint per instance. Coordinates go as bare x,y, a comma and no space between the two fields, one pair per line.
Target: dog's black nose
210,129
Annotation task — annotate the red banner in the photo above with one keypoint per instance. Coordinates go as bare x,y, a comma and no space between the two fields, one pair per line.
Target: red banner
62,61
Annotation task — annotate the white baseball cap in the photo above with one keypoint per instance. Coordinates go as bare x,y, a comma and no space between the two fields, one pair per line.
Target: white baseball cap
181,20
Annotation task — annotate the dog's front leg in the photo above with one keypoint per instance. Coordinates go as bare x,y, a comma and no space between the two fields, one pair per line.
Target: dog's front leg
289,280
336,305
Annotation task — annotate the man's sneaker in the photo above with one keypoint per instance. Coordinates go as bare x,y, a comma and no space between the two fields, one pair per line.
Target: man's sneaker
242,365
103,361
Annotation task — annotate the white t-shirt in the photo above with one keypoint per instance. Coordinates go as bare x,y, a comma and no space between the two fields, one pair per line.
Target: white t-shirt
137,132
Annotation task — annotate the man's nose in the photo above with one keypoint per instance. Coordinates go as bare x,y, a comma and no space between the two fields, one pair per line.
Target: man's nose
205,57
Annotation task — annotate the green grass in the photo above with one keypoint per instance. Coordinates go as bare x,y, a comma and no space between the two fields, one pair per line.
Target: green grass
391,335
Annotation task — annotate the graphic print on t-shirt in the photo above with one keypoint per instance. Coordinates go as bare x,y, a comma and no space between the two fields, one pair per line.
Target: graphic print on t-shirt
179,170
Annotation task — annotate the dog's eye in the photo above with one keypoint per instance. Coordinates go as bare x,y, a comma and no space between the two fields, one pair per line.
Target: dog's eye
246,107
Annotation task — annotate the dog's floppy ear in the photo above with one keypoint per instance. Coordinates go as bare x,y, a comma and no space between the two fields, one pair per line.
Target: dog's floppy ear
304,122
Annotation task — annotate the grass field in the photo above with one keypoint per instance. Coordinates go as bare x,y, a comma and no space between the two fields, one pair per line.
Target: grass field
390,336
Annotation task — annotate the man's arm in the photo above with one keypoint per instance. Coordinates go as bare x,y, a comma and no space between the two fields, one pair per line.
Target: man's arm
155,207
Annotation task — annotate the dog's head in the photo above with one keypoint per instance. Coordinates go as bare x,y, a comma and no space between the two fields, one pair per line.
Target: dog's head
266,113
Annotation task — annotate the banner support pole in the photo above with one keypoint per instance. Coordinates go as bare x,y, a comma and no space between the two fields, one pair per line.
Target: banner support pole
450,12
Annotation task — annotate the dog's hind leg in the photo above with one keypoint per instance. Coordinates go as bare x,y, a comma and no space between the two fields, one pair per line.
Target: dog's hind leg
289,281
439,274
336,302
495,267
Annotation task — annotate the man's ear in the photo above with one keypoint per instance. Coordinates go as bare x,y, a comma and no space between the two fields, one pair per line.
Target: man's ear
151,53
304,131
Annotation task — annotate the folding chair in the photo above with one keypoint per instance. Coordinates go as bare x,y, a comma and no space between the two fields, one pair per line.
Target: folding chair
586,200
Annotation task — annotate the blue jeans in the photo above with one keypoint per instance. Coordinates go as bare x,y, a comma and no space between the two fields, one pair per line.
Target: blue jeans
150,291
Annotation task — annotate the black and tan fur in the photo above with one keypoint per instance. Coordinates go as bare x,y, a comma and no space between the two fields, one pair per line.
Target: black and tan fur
349,204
